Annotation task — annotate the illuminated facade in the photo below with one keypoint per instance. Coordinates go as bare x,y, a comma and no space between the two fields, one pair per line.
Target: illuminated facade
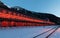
9,17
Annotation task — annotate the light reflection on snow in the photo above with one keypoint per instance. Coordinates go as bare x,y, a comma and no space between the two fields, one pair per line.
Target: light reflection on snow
26,32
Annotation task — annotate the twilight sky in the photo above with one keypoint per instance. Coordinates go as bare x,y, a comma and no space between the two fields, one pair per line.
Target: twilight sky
44,6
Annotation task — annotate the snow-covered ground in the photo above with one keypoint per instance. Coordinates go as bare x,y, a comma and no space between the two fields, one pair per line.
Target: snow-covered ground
27,32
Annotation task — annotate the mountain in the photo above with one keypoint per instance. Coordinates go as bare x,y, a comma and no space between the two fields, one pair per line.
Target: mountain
2,5
38,15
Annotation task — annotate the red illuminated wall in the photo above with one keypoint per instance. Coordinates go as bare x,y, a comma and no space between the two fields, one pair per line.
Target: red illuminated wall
6,14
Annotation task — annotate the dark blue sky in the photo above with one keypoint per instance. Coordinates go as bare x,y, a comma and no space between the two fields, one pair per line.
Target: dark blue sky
45,6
